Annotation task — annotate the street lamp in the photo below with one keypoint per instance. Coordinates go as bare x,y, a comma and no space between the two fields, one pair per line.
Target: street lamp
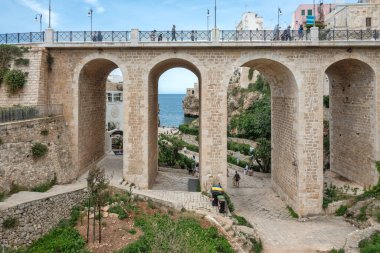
215,15
39,16
49,13
90,12
208,18
279,13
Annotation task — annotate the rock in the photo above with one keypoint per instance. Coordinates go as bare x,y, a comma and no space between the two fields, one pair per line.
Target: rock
190,105
105,208
105,214
250,99
113,215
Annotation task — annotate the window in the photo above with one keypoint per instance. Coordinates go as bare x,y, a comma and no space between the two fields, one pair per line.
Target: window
309,12
368,22
302,12
118,97
109,97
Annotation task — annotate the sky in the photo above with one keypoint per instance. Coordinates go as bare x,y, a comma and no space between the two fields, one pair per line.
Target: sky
145,15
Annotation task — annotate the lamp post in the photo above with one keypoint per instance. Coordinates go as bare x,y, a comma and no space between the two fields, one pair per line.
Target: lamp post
279,13
315,16
49,13
90,12
39,16
215,14
208,18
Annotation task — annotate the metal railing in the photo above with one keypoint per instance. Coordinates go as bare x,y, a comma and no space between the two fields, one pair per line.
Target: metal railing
336,35
95,36
263,35
165,36
190,36
16,113
21,38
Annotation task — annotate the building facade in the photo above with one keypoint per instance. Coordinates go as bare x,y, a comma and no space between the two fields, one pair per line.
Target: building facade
250,21
320,11
358,16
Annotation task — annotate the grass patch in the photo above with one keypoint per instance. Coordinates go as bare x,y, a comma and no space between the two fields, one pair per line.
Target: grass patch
162,234
242,221
187,129
363,214
39,150
332,194
257,245
15,188
132,231
45,186
9,223
337,251
119,211
180,143
342,210
292,212
238,147
370,245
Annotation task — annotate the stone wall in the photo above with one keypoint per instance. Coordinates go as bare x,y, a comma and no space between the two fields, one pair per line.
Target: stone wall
35,91
17,165
352,127
37,217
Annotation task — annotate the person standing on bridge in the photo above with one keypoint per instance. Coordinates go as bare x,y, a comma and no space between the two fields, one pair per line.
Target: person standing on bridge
174,34
300,32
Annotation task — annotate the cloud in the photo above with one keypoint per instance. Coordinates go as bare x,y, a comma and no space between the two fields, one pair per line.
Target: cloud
38,8
98,7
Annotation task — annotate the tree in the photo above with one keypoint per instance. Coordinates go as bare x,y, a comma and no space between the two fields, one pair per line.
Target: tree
97,183
262,154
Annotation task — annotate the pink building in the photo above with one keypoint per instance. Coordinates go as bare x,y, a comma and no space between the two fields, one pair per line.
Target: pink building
304,10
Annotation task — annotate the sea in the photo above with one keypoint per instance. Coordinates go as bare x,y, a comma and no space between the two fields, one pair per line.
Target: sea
171,112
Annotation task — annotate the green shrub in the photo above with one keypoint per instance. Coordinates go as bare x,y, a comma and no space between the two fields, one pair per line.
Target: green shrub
22,62
132,231
119,211
15,80
257,246
162,234
233,160
362,214
151,204
370,245
45,186
326,101
337,251
237,147
341,210
242,221
186,129
15,188
9,223
39,150
45,132
292,212
3,71
2,196
230,205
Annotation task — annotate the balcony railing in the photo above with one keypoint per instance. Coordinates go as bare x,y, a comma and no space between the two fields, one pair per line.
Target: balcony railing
263,35
189,36
22,38
16,113
182,36
335,35
86,36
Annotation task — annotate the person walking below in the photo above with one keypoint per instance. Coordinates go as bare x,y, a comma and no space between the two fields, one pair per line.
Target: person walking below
174,34
236,179
300,32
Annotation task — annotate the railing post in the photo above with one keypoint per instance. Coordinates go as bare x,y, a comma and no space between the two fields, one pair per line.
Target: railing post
71,36
18,38
85,36
112,35
6,38
314,34
30,37
361,34
49,35
347,34
215,34
134,36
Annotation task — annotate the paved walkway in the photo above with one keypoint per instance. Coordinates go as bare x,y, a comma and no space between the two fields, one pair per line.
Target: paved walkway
257,202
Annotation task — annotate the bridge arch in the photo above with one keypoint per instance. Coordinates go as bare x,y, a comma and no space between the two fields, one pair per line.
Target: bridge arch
285,171
158,67
353,121
89,106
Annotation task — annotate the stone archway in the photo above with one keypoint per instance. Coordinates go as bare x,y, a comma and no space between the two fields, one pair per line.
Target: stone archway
153,79
90,109
284,114
353,121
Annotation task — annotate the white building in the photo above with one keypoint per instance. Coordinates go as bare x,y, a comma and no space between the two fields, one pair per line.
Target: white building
114,103
250,21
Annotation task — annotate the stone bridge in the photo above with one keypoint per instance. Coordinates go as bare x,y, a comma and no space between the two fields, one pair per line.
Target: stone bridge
74,74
